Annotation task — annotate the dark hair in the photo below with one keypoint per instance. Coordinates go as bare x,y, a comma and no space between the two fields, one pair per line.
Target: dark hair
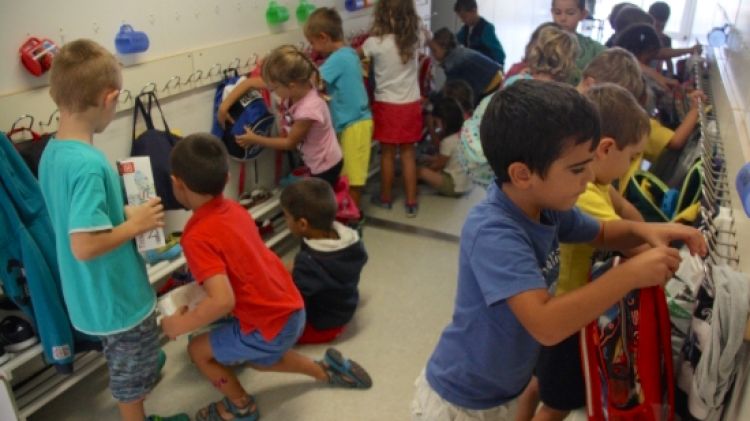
616,10
313,199
639,39
325,20
532,122
660,11
461,91
631,16
450,113
445,39
200,161
622,117
581,4
465,6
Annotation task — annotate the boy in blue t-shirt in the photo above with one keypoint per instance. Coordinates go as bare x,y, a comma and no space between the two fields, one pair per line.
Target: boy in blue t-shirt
104,280
539,137
350,109
477,33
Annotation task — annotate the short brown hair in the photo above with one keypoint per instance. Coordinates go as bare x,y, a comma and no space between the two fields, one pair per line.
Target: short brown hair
313,199
619,66
622,117
325,20
200,161
81,72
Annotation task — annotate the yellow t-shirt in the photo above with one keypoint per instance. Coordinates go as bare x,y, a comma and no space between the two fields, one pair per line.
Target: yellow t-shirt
658,140
575,259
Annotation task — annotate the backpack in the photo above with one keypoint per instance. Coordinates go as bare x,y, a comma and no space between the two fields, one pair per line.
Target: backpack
658,203
627,358
249,111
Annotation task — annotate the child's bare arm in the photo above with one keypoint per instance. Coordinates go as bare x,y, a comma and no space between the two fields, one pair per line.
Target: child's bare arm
218,303
439,162
626,235
238,92
551,319
623,208
142,218
297,133
686,127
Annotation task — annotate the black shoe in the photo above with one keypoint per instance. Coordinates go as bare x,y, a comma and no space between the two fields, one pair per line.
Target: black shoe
16,334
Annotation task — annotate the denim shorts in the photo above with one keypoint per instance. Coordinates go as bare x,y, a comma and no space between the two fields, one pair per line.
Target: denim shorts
230,346
133,360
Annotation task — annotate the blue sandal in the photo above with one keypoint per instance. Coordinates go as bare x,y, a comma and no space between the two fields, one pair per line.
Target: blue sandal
211,412
344,372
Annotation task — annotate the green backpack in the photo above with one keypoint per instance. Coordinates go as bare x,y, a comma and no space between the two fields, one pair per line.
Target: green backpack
658,203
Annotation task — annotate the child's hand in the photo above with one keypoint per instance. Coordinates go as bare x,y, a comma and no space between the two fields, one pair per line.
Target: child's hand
146,216
695,96
653,267
172,325
246,139
697,49
658,235
223,117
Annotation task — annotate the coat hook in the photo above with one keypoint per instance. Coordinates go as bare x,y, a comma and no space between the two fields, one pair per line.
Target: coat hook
168,85
22,118
51,116
214,70
128,96
150,87
194,77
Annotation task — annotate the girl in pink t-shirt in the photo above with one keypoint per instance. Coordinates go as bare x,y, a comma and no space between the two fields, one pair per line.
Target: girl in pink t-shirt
306,120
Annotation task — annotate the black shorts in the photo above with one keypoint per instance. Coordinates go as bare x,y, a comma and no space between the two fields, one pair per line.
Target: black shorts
332,174
560,375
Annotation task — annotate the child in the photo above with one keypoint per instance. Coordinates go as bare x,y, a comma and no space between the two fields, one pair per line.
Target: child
462,93
660,12
288,72
517,68
624,130
397,110
444,172
642,41
241,276
567,14
342,74
104,280
458,62
331,257
540,139
477,33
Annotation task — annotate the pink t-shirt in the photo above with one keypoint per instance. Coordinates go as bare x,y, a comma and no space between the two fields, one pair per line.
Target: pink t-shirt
320,149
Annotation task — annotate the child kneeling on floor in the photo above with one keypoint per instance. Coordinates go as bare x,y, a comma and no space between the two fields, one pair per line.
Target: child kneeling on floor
329,263
243,277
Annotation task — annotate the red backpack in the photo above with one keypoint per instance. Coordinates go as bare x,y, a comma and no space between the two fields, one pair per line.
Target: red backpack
627,358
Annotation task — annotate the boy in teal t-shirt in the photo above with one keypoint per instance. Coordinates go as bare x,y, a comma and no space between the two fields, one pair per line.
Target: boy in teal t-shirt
104,280
350,108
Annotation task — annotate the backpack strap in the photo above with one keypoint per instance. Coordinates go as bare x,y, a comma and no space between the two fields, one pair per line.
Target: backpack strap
139,109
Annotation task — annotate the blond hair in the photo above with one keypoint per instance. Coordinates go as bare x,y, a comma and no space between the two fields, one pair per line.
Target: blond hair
622,117
554,52
398,17
286,64
619,66
325,20
81,72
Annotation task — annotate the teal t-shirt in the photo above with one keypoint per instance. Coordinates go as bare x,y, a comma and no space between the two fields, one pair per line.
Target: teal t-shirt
342,73
110,293
589,50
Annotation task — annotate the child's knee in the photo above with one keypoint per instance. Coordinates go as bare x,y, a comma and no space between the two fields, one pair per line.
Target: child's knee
199,349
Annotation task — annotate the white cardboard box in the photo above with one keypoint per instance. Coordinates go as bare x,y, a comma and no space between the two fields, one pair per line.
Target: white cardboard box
139,187
186,295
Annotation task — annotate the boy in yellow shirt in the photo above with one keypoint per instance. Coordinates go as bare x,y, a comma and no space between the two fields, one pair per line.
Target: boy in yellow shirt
624,133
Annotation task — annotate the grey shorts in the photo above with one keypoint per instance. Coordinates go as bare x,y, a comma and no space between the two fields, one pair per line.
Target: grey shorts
133,360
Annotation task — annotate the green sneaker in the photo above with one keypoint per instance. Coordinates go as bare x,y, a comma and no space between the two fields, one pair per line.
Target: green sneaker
178,417
161,359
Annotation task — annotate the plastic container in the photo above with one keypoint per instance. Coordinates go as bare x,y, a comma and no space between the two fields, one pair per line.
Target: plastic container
743,187
130,41
354,5
304,10
718,36
276,14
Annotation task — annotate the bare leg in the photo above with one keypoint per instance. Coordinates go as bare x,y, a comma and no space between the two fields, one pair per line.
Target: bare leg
528,401
356,193
409,169
132,411
548,414
220,376
294,362
387,163
433,178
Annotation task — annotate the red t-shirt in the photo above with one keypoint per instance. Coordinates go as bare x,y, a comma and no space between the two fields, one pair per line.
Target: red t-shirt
221,238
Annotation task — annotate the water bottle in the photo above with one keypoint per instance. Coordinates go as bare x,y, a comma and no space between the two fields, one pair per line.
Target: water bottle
743,187
304,10
354,5
129,41
276,14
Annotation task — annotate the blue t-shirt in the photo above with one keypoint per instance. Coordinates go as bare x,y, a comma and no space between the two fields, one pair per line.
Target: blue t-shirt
110,293
485,357
342,73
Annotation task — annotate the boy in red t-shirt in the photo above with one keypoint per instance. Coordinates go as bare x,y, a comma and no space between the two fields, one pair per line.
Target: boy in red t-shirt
243,277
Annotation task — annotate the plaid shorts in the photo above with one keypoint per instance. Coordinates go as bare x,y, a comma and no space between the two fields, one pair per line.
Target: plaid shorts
132,357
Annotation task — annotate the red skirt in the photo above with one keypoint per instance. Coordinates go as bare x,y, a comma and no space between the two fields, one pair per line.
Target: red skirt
397,123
